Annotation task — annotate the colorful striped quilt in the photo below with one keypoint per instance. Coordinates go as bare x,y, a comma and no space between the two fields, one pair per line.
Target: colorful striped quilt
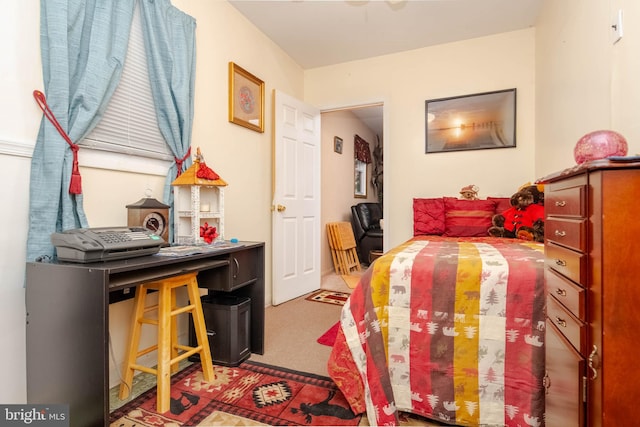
451,329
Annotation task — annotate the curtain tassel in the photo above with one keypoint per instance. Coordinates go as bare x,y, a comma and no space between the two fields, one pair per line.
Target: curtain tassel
179,162
75,185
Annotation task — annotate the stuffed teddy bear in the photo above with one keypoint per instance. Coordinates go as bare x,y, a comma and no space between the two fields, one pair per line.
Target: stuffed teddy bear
470,192
524,219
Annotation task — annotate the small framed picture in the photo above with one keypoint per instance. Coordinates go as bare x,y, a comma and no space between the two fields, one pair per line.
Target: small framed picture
337,144
246,98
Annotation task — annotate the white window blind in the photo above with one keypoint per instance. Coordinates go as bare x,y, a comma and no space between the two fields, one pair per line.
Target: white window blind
129,125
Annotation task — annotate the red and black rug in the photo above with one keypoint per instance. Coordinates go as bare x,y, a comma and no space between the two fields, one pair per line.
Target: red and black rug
262,393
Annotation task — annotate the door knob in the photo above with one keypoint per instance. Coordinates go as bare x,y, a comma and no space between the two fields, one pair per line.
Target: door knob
281,208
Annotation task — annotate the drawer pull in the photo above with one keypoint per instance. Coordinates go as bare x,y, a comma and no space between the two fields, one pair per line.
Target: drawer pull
561,322
546,382
561,262
561,203
237,270
561,292
559,233
594,353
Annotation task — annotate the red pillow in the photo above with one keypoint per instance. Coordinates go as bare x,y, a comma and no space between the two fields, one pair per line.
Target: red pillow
467,218
502,203
428,216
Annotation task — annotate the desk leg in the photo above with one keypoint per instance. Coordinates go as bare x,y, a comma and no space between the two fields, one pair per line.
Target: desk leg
67,341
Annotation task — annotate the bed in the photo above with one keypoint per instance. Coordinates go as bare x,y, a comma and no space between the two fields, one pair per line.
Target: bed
448,325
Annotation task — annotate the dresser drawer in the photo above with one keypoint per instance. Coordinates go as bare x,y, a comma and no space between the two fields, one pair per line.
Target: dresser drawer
564,368
566,202
573,329
567,232
566,292
569,263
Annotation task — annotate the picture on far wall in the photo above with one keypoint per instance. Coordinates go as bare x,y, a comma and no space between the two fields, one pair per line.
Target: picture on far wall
337,144
471,122
360,180
246,98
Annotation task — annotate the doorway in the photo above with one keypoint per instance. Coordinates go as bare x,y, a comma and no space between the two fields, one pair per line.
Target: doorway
338,167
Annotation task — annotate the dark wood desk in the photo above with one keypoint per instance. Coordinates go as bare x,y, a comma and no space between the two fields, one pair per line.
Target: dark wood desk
67,324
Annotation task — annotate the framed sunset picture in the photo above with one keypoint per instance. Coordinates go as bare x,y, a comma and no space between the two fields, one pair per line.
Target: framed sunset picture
471,122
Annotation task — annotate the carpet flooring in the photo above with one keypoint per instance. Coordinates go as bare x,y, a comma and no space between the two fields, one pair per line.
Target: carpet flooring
351,280
255,392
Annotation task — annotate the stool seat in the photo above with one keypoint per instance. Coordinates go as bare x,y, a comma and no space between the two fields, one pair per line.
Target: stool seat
170,352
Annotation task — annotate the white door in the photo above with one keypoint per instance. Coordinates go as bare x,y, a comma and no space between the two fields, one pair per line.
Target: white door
296,199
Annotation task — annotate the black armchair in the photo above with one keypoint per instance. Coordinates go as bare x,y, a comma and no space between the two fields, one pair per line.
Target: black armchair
365,220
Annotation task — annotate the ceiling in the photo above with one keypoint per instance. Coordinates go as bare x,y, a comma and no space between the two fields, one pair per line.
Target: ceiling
318,33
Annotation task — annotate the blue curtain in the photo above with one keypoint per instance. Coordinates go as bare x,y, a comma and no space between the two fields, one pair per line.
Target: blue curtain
83,48
169,36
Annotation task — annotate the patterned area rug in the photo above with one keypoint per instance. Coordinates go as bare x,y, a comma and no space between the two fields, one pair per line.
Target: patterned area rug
329,297
264,394
329,337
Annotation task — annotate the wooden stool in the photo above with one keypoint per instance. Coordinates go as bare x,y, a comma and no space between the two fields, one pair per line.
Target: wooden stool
168,348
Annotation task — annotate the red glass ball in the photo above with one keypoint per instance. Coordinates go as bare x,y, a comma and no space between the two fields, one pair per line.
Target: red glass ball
599,145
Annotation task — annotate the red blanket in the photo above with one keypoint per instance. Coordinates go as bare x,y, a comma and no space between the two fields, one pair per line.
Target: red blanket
451,329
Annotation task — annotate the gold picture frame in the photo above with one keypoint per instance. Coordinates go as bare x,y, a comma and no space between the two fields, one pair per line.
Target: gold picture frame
246,98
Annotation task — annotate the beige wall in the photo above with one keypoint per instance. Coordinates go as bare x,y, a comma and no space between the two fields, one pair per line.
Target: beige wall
403,82
625,69
338,173
583,81
19,119
573,85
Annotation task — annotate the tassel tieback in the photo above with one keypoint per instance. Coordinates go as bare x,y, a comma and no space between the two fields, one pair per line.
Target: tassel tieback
75,185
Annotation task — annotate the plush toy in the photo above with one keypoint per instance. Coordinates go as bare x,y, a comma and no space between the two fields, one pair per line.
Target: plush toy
525,218
470,192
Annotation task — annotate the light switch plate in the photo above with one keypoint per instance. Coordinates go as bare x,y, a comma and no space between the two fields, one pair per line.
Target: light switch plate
617,28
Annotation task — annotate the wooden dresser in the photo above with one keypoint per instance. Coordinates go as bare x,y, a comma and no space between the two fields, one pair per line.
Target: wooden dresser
592,277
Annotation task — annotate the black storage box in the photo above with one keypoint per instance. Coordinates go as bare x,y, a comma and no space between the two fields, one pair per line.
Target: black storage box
227,319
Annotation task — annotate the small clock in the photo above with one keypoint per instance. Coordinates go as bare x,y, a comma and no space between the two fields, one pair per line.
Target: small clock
150,214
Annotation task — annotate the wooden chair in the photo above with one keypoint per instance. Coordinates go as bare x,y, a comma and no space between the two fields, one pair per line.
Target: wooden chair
170,352
343,247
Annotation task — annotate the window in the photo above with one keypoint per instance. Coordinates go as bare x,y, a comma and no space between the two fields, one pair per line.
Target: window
129,126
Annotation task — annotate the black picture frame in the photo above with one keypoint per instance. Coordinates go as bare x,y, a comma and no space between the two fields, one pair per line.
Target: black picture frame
337,144
471,122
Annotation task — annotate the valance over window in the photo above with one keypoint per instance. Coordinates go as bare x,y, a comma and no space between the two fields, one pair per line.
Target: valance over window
362,151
